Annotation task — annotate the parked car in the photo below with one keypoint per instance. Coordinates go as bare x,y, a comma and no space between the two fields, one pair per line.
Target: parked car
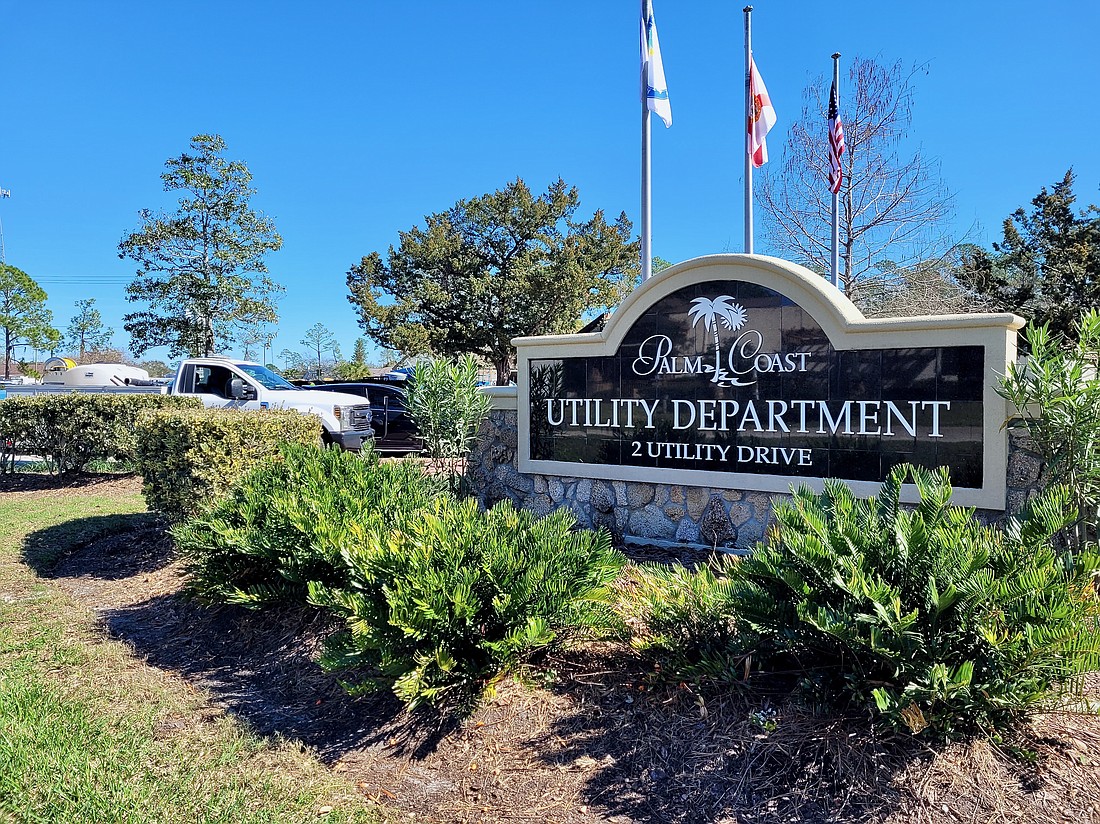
394,430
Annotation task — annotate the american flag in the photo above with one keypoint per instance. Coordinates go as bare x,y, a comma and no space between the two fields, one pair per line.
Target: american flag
836,143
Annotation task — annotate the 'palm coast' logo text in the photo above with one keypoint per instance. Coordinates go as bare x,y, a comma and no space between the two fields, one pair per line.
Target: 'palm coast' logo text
742,358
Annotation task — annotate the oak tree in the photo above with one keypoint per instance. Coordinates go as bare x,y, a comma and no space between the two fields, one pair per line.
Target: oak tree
492,268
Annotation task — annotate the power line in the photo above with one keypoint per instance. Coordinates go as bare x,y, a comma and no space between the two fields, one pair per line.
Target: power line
81,279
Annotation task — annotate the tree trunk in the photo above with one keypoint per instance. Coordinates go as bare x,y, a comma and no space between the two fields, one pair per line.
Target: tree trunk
504,369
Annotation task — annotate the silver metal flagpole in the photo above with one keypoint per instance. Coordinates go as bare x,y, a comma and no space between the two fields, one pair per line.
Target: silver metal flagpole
647,229
836,194
748,131
647,238
3,259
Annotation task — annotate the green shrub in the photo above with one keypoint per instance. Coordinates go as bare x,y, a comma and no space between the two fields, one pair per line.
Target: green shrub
438,610
71,429
448,409
685,619
925,615
17,423
1057,400
286,522
189,458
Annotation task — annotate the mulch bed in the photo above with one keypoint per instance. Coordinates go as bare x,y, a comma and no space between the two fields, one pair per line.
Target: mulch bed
41,484
601,740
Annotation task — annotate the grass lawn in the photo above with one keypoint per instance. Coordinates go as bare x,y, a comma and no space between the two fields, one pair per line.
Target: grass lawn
90,733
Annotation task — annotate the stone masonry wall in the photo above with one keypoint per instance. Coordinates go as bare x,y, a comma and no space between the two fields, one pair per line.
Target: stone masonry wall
665,514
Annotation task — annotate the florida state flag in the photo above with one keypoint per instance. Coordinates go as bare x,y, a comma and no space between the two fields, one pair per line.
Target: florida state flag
761,116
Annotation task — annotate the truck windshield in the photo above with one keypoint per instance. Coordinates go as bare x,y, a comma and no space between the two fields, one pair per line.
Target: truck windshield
264,376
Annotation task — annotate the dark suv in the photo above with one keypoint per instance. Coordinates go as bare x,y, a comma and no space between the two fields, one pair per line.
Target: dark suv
394,431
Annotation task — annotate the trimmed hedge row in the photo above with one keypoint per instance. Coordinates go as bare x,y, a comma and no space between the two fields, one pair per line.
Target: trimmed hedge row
189,458
70,429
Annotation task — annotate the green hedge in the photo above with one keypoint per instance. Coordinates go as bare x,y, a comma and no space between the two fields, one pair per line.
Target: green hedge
438,597
286,523
71,429
191,458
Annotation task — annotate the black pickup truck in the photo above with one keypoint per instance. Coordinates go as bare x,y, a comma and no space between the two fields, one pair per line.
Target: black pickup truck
394,431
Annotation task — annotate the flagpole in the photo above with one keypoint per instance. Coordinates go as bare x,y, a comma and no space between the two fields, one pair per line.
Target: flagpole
647,133
836,194
647,239
748,133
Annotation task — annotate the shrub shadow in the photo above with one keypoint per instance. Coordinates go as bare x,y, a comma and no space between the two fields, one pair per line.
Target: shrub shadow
261,667
108,547
667,753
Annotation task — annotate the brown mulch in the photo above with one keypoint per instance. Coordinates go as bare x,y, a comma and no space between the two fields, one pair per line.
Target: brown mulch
36,484
601,740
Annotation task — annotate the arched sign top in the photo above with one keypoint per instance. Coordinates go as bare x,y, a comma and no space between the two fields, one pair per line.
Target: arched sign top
838,316
744,371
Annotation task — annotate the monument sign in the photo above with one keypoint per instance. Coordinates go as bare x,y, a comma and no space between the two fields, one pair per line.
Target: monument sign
747,372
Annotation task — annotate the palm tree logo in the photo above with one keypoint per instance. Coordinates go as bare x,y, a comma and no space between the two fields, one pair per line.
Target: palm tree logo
721,311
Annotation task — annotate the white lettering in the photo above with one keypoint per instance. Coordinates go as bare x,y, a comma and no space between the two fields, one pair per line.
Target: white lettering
750,411
867,416
824,414
706,415
935,433
729,410
677,405
651,353
802,413
574,403
892,411
550,402
777,417
649,410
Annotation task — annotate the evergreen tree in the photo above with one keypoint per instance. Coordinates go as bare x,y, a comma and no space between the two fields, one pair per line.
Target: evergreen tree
201,269
319,339
1046,266
24,318
86,330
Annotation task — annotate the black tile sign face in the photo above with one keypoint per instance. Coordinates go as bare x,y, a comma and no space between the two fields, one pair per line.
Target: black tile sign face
730,376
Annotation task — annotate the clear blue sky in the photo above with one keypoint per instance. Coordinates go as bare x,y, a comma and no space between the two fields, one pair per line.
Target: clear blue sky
358,118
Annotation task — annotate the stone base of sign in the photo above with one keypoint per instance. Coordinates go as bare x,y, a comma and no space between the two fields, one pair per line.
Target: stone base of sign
667,515
1025,472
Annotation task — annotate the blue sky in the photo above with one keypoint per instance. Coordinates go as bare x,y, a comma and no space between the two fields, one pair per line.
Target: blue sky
358,118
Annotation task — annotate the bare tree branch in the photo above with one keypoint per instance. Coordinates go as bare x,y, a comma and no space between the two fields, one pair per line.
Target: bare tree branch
892,207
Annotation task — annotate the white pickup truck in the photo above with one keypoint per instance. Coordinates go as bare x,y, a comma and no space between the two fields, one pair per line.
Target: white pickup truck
218,382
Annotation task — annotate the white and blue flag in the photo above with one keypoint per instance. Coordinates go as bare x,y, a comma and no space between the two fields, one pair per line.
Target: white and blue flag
654,89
